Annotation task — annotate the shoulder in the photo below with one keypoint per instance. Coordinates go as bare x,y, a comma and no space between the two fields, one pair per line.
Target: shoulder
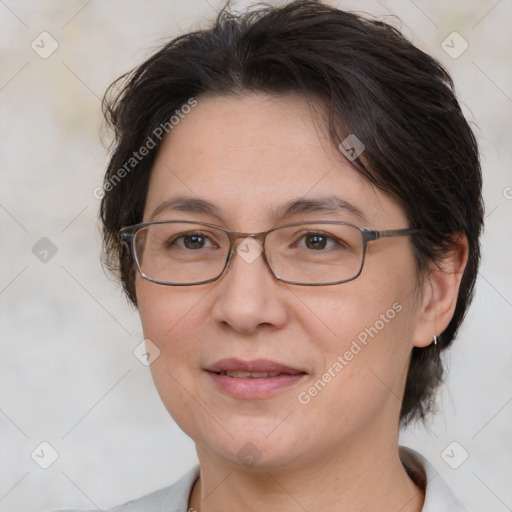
169,499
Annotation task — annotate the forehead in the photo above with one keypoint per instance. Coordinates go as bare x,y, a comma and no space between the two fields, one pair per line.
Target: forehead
252,156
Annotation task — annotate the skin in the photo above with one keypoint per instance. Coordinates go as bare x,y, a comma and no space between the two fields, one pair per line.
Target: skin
247,154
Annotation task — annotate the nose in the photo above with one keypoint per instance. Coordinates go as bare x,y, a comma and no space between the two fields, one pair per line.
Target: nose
248,295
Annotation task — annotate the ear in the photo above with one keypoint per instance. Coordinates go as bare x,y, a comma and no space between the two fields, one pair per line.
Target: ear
440,292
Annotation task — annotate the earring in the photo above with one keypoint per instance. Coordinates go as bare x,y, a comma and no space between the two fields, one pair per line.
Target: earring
435,339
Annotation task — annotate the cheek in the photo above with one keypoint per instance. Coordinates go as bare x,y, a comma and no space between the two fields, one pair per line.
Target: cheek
171,319
365,345
165,311
354,312
165,315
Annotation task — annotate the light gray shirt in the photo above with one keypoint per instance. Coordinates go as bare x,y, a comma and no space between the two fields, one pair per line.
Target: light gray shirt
438,496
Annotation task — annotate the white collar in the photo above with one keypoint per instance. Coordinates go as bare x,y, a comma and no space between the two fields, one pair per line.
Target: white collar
438,496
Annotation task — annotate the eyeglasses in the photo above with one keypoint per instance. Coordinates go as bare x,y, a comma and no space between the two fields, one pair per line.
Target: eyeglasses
184,253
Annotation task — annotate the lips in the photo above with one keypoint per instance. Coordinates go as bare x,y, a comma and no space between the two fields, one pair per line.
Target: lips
249,375
254,379
256,368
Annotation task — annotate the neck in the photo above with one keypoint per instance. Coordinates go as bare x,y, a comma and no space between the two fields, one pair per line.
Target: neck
359,478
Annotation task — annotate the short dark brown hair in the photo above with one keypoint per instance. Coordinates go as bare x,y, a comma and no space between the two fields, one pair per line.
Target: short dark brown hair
398,100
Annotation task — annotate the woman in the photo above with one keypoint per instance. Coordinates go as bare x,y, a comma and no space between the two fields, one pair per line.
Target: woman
293,204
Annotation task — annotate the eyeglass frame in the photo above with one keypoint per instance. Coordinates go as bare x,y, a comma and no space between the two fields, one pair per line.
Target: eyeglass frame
127,236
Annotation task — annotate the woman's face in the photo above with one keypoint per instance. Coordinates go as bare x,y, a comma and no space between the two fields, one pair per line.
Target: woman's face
344,348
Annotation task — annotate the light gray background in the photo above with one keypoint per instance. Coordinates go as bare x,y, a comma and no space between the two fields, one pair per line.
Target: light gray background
68,374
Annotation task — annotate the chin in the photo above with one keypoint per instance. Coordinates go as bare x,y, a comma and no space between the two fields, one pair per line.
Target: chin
256,454
257,443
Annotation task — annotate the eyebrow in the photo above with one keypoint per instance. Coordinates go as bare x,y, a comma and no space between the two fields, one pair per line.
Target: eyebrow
330,204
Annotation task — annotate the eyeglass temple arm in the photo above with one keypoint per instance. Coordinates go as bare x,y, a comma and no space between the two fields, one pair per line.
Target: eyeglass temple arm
371,234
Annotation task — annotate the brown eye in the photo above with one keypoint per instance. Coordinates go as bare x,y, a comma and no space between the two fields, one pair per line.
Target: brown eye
194,241
316,241
191,241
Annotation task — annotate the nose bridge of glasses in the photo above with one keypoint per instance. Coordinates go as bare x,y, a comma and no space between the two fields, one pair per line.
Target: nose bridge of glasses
235,235
239,239
246,245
